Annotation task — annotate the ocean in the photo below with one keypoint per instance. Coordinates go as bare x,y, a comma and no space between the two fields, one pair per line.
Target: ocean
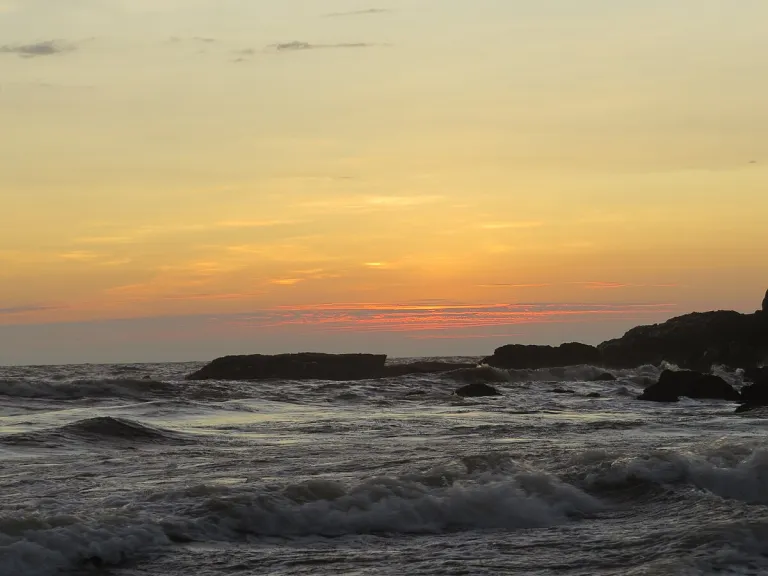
129,470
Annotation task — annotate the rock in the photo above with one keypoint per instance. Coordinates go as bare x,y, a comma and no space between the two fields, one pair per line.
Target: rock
316,366
594,395
754,395
694,341
604,377
519,356
303,366
562,391
765,303
672,385
476,391
756,374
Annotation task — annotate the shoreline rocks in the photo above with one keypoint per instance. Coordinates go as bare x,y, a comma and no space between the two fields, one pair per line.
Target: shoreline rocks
694,341
317,366
302,366
530,357
674,385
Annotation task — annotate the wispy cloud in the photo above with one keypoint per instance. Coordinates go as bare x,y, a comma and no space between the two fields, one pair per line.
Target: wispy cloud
501,285
365,12
26,309
511,225
620,285
37,49
427,318
296,46
369,203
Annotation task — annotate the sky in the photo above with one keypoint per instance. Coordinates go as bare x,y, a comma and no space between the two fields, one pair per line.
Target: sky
182,179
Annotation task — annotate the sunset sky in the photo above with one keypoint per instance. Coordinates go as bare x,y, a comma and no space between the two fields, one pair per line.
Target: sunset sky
182,179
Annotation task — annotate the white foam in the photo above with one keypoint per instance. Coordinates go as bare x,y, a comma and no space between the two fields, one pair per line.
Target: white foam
389,505
730,471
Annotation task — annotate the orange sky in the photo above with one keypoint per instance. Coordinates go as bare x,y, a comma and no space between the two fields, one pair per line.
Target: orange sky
183,179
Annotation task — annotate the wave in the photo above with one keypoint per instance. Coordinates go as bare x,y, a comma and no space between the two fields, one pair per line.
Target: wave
82,389
386,506
730,471
583,373
492,492
38,546
100,429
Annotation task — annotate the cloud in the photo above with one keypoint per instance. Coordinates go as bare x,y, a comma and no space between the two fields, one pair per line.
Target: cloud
27,309
511,225
366,12
501,285
620,285
344,204
34,50
296,46
431,320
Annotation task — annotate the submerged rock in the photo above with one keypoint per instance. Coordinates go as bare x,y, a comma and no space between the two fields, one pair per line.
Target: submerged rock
672,385
604,377
521,357
303,366
476,391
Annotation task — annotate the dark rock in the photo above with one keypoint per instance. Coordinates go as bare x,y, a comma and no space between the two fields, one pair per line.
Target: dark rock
594,395
695,341
519,356
672,385
604,377
754,395
756,374
562,391
303,366
476,391
765,303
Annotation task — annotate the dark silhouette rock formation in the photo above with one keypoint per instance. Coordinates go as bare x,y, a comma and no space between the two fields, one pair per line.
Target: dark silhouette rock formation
519,356
765,303
755,394
695,341
303,366
316,366
672,385
477,391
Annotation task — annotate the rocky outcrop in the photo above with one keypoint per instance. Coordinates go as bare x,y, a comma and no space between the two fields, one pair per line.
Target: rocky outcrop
304,366
765,303
316,366
672,385
695,341
477,391
526,357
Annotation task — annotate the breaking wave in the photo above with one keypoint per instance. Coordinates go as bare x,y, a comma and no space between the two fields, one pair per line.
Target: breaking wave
730,471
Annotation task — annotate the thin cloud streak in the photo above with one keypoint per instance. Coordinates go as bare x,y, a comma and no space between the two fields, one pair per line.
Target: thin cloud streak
365,12
362,318
38,49
297,46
